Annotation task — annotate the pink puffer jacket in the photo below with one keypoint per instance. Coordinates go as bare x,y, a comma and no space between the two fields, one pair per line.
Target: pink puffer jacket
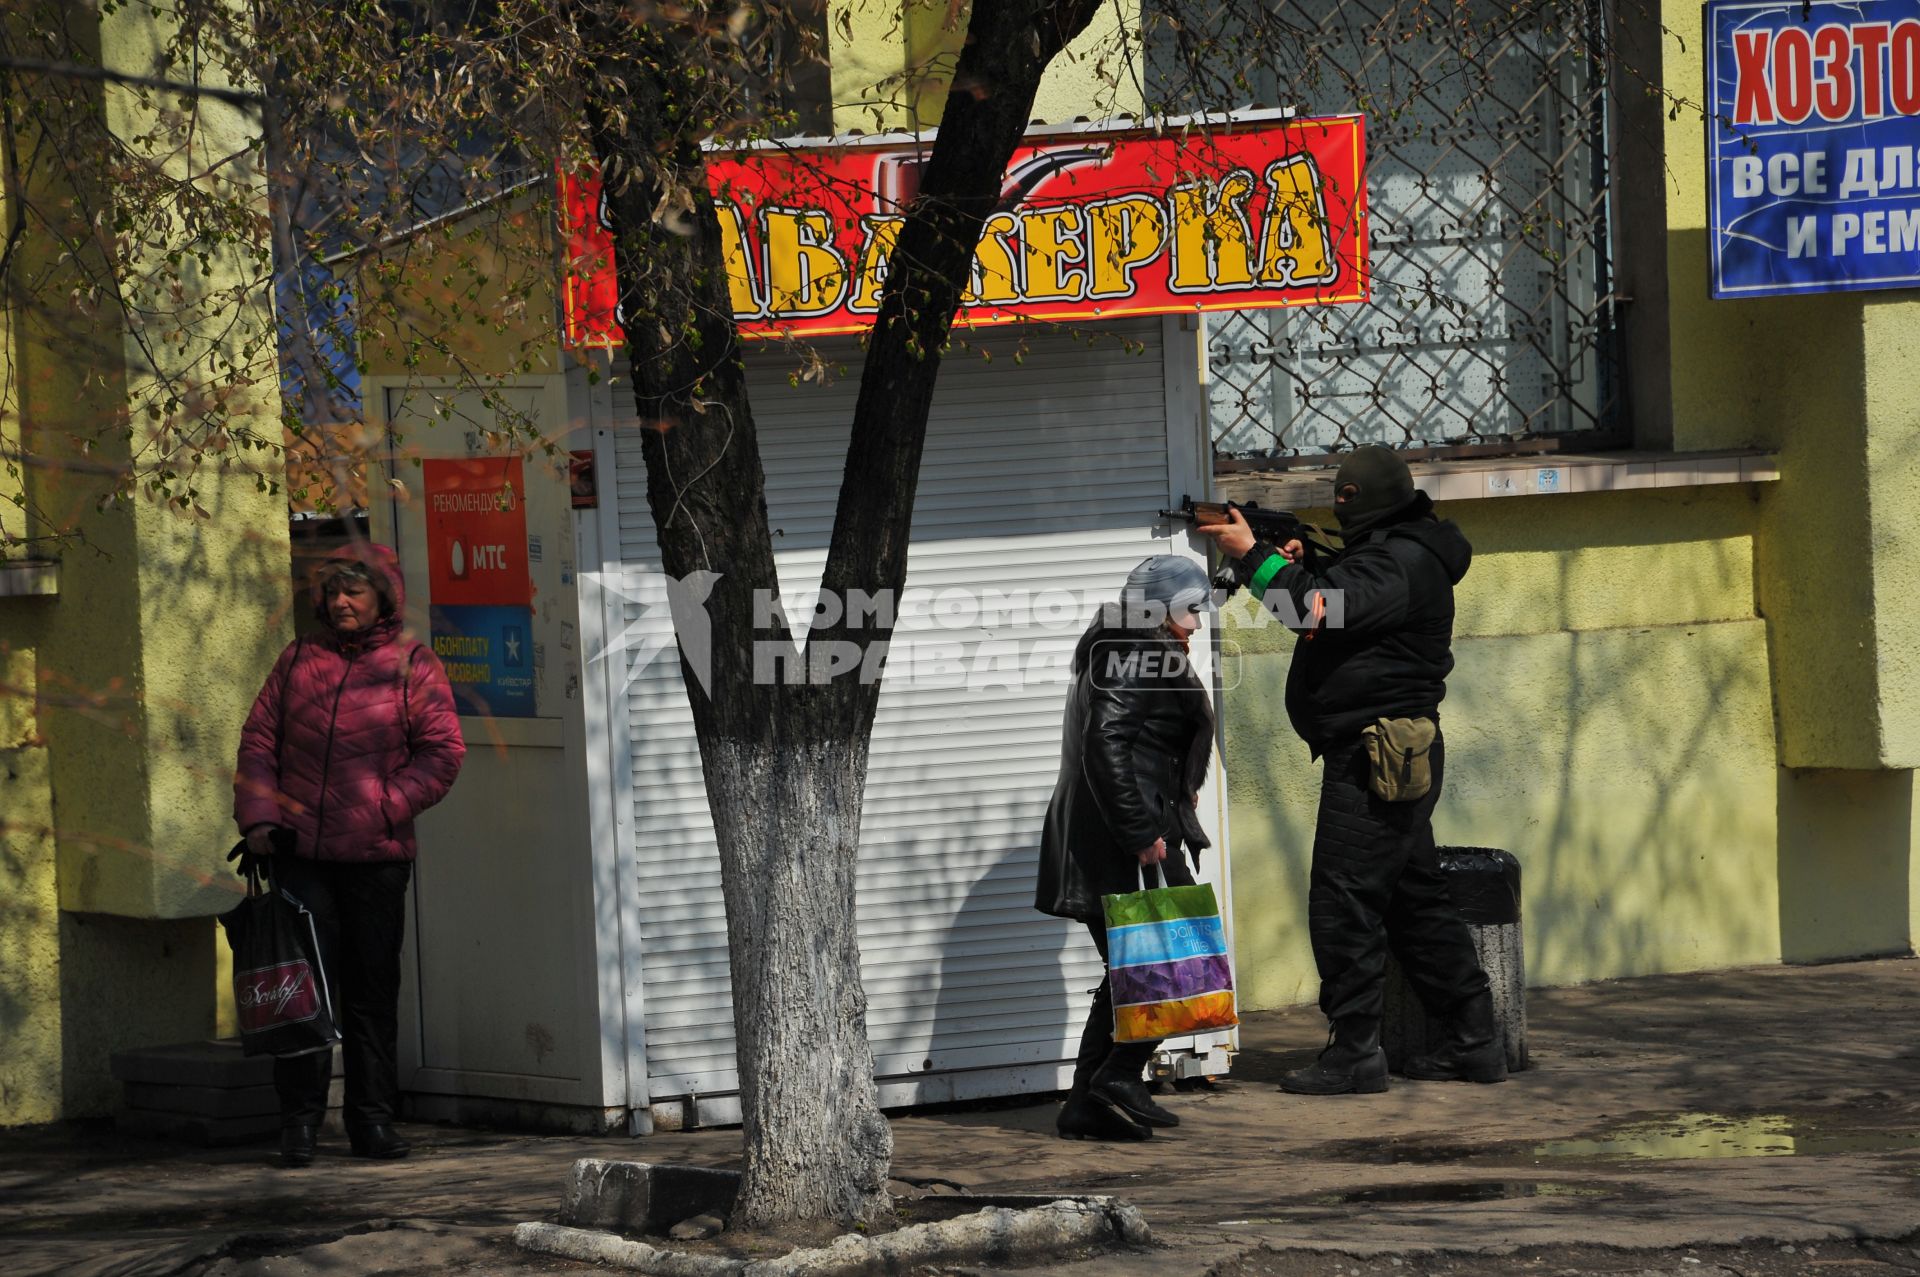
348,742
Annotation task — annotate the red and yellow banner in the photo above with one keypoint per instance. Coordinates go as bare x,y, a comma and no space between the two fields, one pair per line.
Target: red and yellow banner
1091,224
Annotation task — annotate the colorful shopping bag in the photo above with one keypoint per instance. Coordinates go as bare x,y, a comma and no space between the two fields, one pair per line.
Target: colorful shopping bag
1167,962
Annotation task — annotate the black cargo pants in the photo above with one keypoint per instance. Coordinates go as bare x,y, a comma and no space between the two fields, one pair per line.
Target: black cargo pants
360,911
1376,884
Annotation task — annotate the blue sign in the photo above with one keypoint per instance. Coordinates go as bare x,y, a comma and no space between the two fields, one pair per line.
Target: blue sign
1813,144
488,657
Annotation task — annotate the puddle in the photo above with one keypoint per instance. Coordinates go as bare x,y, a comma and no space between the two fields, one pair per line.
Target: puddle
1678,1137
1413,1152
1496,1190
1708,1135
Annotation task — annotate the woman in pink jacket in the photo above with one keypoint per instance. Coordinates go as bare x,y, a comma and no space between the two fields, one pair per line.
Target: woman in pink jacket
353,736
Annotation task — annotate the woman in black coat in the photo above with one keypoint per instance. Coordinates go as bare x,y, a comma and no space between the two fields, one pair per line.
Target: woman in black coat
1134,751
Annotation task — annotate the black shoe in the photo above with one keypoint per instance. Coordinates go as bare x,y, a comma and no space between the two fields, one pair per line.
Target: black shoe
1131,1096
378,1140
1353,1063
296,1145
1472,1052
1084,1118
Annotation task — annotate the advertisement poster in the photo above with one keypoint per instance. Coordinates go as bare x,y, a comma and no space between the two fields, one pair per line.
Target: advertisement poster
1813,139
1091,223
479,586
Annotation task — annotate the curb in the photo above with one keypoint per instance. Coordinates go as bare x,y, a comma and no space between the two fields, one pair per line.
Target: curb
996,1234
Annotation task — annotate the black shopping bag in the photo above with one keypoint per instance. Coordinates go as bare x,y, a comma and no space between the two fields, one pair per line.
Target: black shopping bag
279,985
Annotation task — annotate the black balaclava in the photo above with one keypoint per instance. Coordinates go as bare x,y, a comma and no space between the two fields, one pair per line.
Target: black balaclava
1386,489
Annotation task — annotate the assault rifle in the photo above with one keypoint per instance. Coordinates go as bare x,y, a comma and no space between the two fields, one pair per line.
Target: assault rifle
1276,527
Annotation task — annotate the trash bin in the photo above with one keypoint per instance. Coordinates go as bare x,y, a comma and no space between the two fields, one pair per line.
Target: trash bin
1486,888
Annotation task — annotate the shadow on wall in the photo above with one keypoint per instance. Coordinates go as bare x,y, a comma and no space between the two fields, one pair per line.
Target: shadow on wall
29,942
1011,984
961,972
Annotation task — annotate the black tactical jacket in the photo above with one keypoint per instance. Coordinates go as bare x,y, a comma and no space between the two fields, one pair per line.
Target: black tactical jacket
1392,653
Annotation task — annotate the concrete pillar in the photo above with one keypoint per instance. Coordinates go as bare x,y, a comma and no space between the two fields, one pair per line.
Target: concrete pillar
29,921
166,619
1829,383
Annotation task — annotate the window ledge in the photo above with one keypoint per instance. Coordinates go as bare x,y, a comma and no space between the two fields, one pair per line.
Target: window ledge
29,578
1538,475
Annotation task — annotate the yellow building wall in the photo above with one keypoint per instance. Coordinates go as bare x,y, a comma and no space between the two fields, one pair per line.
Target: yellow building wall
166,623
124,694
892,61
1830,382
1846,845
472,299
1891,343
29,917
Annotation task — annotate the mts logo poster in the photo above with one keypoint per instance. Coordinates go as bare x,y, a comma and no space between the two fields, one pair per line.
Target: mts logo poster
1813,138
480,590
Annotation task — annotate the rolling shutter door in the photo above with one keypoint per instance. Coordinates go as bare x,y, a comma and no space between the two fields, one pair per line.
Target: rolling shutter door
1038,477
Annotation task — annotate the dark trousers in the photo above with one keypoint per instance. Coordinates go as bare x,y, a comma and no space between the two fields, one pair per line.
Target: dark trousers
1098,1051
1377,885
360,911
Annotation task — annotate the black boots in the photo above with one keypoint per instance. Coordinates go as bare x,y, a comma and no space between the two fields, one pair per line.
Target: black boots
1084,1118
1472,1052
296,1145
378,1140
1108,1100
1131,1096
1352,1063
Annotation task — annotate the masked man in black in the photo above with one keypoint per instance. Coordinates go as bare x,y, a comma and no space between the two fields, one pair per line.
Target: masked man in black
1364,692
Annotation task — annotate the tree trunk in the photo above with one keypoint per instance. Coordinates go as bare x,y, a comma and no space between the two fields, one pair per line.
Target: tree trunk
784,774
788,819
785,766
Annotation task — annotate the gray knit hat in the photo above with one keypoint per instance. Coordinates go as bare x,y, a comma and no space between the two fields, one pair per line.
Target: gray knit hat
1175,582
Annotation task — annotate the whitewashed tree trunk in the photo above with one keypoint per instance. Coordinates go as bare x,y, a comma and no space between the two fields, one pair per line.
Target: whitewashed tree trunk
817,1144
785,765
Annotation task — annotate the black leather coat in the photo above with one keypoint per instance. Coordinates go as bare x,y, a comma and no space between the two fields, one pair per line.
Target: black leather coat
1136,742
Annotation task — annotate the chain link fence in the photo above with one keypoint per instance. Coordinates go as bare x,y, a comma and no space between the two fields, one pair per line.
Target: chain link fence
1491,324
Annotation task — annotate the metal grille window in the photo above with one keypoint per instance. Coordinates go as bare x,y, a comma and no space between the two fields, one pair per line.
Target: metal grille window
1491,321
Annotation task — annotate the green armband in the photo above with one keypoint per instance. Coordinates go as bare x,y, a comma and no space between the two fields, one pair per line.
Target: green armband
1264,574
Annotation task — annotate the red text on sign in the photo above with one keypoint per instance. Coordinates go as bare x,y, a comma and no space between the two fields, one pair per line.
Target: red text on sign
1791,76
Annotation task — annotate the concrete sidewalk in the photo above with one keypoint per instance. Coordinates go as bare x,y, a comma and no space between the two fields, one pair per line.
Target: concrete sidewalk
1777,1105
